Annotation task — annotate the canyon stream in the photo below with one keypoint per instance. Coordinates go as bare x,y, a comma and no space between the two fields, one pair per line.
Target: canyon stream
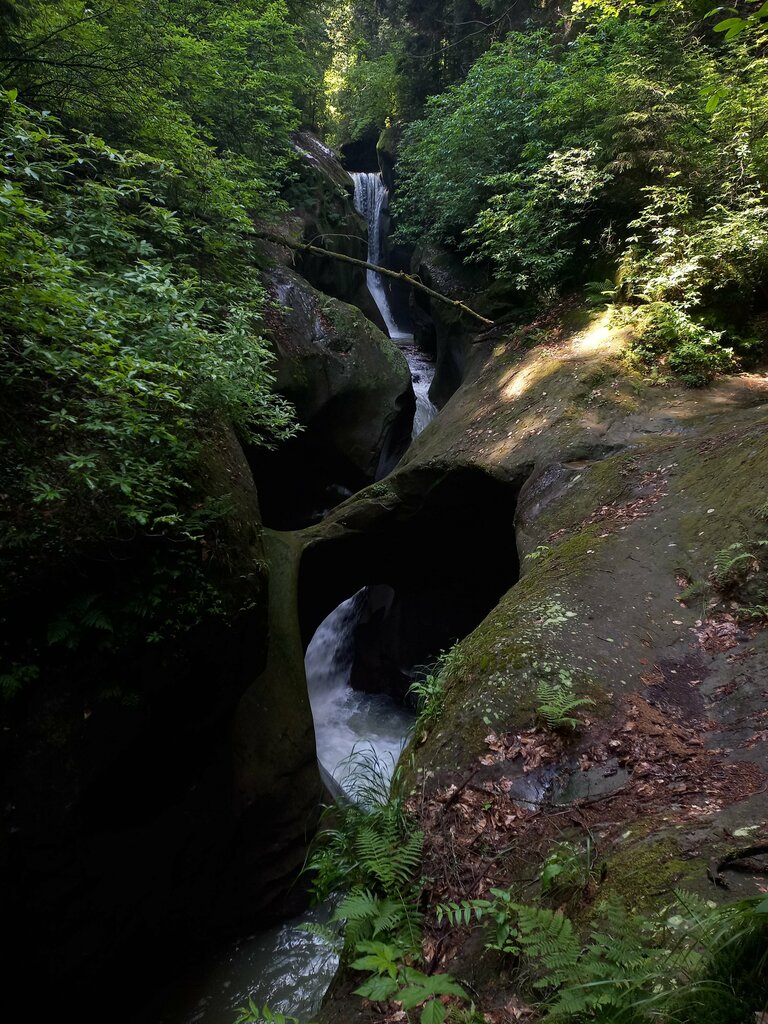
285,967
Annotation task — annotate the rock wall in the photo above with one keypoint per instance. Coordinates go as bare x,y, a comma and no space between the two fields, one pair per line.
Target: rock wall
634,502
132,831
352,390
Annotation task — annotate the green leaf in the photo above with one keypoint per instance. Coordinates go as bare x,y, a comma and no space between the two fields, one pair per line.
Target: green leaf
433,1012
730,24
423,986
377,989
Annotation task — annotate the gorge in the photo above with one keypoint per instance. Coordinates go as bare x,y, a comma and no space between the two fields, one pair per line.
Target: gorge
438,600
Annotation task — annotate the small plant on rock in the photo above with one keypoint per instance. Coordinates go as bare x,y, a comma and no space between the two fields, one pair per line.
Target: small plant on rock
556,702
733,567
429,692
391,978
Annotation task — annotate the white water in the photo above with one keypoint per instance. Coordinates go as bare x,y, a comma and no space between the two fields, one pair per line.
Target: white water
284,967
345,720
370,199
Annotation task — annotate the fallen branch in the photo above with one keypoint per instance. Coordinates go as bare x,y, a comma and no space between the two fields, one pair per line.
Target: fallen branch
398,275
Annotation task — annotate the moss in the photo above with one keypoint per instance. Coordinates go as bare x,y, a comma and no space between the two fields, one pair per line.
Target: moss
647,867
579,318
523,642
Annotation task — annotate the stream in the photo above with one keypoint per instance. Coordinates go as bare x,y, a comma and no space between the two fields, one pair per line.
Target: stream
284,967
371,197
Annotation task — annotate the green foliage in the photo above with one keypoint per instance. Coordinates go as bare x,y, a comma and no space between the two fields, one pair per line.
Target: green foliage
363,83
252,1014
666,335
568,870
556,702
682,253
372,853
530,229
392,979
429,692
114,355
541,551
211,88
607,154
733,567
499,915
632,969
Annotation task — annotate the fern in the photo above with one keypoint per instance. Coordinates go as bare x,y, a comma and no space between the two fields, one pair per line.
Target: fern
733,566
386,855
374,855
556,703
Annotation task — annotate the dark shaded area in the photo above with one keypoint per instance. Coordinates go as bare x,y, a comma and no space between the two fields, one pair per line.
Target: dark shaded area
361,154
435,565
310,474
131,835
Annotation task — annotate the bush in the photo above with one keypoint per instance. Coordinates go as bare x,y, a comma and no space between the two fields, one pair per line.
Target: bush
117,350
666,335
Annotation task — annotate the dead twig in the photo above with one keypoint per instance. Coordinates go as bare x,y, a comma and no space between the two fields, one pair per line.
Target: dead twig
398,275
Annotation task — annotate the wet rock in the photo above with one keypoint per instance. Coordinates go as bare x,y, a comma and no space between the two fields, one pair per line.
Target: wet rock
352,391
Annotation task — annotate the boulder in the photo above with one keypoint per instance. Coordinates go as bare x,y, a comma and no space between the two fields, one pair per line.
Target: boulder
135,830
352,391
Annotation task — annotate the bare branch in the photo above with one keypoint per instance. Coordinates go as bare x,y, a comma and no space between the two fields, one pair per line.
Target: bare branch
398,275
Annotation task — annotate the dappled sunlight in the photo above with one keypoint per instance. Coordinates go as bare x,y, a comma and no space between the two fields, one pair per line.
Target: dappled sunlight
523,378
597,339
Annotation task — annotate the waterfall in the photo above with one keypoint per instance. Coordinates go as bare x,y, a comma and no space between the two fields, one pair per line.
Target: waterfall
371,198
344,718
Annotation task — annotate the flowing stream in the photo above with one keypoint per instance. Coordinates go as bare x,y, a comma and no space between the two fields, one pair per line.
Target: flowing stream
284,967
371,198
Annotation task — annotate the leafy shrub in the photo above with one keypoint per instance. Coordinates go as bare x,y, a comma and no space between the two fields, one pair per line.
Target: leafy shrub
667,335
529,230
115,355
683,251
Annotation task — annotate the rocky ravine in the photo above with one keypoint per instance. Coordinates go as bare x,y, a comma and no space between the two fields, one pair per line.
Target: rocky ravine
629,501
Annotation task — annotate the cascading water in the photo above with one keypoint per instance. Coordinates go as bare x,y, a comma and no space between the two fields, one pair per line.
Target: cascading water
370,201
285,967
346,720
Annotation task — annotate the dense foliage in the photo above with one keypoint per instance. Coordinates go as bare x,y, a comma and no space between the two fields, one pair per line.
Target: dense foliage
387,56
131,308
141,139
636,150
114,352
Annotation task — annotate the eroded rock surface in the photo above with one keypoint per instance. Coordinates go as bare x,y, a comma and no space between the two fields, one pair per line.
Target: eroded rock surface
640,526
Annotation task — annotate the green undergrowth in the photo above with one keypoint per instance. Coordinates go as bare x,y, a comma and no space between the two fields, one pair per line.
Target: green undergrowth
370,855
131,340
673,963
670,343
116,354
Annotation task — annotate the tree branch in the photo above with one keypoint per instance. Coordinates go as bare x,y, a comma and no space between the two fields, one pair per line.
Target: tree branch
398,275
